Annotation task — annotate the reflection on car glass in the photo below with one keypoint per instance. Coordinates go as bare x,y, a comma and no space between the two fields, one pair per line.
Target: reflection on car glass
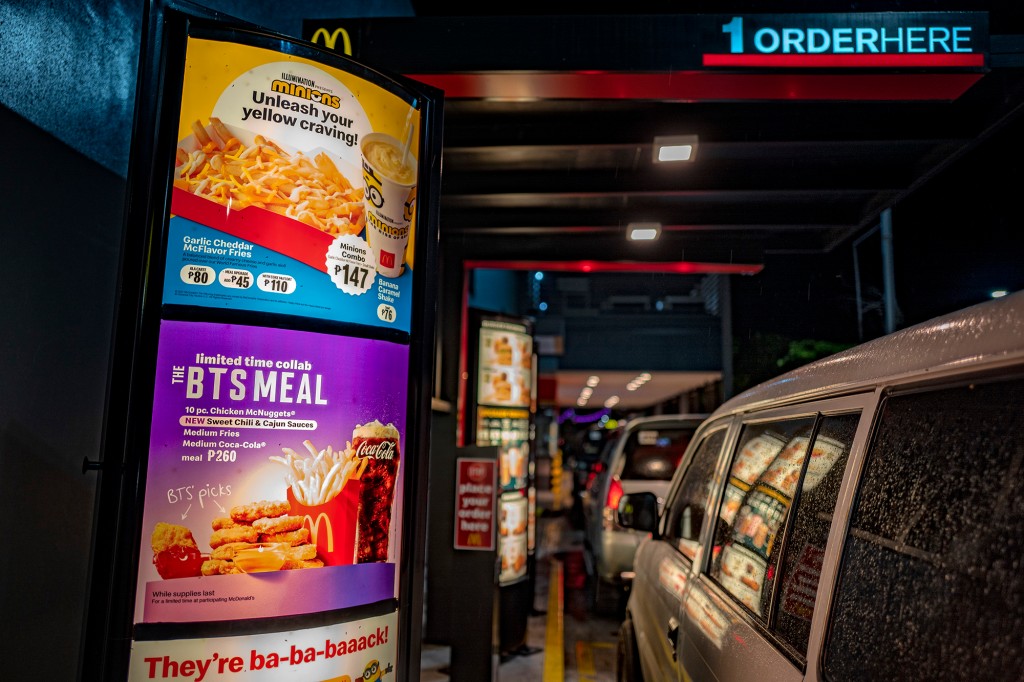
804,554
757,499
750,551
753,458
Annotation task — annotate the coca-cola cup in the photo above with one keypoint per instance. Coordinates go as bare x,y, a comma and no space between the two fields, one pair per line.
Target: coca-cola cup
378,444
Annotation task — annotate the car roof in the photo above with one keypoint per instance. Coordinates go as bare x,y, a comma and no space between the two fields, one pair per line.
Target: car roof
654,420
980,334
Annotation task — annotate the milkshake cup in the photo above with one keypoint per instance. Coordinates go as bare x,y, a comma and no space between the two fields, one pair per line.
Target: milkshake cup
389,176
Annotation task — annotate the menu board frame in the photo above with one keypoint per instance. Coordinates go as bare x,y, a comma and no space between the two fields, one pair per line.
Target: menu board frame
119,539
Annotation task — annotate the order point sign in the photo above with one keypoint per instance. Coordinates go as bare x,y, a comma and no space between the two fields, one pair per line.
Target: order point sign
475,495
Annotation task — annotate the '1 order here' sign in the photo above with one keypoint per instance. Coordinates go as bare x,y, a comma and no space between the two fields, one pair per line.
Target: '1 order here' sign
475,495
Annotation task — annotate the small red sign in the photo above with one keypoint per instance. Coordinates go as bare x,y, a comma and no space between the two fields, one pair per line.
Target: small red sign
475,498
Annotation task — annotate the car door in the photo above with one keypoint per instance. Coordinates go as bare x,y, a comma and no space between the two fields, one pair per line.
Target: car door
664,565
748,611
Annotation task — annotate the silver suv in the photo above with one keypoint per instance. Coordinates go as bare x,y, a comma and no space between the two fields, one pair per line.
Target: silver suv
859,518
643,457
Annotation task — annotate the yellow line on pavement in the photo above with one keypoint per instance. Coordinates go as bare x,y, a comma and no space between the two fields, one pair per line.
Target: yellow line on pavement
586,665
554,636
585,662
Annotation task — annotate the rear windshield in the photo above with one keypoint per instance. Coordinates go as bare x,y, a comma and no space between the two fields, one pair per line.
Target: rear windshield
653,454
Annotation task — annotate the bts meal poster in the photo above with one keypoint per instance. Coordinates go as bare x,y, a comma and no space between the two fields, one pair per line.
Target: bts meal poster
294,189
275,474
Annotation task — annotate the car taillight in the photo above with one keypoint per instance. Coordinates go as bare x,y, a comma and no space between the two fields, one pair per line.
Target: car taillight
614,494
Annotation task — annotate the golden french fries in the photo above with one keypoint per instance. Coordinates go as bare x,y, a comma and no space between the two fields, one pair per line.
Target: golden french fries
226,171
321,475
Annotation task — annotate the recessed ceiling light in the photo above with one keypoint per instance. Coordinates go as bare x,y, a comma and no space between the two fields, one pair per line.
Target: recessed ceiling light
675,148
643,231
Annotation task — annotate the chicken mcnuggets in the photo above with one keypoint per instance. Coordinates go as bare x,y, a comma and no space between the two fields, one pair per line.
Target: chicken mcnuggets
220,567
223,522
294,537
277,524
291,564
228,550
247,513
167,535
236,534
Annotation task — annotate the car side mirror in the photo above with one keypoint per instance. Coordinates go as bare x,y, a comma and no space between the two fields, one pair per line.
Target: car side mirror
638,511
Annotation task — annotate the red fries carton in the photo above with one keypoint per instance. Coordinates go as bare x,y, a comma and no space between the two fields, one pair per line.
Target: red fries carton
332,525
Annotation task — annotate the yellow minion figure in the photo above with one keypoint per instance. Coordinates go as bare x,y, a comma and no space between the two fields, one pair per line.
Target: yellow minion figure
374,671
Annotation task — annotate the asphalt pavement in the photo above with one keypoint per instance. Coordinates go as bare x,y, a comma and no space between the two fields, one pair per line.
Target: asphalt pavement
572,636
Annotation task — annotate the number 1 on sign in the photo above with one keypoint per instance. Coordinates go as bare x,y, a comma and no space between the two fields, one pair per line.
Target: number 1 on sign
355,275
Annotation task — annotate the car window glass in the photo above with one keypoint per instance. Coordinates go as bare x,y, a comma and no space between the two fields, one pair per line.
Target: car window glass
652,453
931,583
686,516
764,476
812,519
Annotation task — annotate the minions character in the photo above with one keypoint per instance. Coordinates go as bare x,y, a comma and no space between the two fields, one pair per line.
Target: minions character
375,672
373,185
410,205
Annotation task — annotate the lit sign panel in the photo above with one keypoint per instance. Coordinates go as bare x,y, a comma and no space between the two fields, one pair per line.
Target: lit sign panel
849,40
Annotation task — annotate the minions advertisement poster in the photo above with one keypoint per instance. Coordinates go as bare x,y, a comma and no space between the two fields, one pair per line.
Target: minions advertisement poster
293,189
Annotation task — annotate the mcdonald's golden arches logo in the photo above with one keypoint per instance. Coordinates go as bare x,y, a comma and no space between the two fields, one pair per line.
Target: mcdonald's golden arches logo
314,529
331,39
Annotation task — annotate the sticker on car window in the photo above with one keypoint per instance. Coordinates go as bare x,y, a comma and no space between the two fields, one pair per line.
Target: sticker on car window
647,437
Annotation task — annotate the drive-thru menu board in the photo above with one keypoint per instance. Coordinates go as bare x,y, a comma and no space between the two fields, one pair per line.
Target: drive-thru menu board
503,416
271,521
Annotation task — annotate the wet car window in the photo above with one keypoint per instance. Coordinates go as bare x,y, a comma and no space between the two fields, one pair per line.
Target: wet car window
812,518
690,504
762,482
931,584
653,454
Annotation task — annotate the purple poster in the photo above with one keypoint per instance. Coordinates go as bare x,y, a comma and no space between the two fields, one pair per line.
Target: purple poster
275,473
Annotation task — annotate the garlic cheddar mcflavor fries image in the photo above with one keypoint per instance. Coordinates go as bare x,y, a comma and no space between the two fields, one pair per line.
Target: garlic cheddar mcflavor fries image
215,164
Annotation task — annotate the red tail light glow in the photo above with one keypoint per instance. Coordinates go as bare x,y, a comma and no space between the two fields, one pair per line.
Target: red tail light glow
614,494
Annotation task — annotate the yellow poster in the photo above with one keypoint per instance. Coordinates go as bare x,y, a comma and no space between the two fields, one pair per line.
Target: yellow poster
294,189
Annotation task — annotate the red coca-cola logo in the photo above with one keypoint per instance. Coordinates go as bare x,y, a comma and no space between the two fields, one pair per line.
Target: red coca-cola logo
377,448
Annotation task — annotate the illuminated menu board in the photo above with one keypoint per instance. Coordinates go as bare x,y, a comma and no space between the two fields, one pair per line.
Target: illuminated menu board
503,417
271,415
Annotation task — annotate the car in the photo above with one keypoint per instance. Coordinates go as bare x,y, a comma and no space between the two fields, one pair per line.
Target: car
894,550
586,457
643,455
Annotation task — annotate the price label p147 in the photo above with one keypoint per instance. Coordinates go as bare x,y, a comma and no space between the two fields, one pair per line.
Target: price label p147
351,264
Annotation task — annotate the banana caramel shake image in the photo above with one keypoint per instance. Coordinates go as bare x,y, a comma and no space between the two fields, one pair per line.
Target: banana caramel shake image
378,445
